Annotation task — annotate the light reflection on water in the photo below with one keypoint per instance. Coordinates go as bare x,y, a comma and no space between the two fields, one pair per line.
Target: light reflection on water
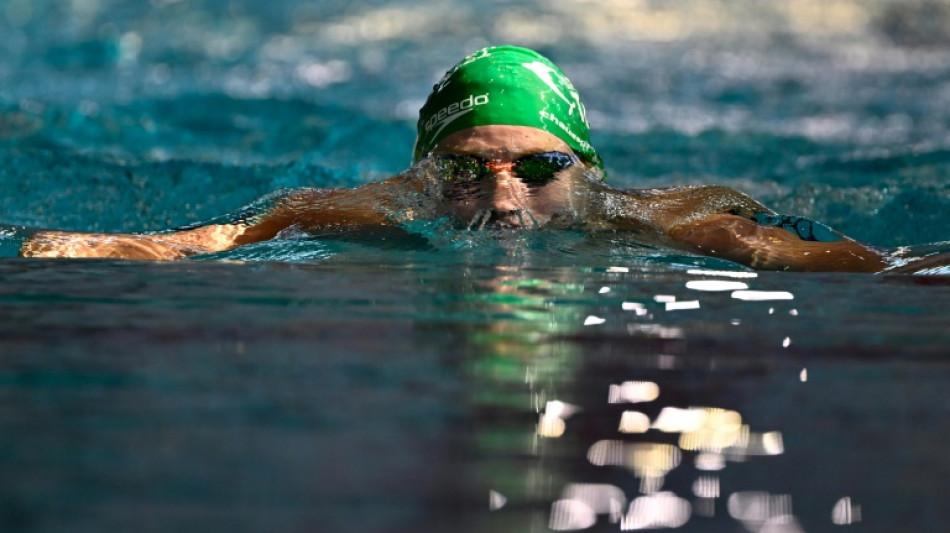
468,394
350,386
665,451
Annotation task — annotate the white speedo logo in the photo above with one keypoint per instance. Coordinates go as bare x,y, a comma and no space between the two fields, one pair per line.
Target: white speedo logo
453,111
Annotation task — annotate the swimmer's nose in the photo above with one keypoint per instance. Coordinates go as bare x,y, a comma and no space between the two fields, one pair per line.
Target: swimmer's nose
507,193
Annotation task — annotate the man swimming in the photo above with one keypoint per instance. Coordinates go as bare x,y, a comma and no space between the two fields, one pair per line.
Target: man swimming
503,142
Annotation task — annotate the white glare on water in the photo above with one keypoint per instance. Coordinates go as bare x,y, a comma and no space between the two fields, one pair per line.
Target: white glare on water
768,443
636,307
606,453
722,273
845,512
720,429
656,330
781,524
551,426
660,510
772,443
599,497
762,296
633,392
676,420
706,487
634,422
592,320
755,509
678,306
646,459
714,285
571,515
551,423
496,500
710,461
560,409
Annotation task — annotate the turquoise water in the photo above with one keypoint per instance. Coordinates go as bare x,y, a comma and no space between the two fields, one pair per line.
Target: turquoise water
439,381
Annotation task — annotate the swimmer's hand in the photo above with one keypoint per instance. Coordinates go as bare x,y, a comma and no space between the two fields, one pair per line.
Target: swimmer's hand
773,248
153,247
806,229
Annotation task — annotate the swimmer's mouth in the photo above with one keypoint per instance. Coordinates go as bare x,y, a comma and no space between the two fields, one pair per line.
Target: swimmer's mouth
490,218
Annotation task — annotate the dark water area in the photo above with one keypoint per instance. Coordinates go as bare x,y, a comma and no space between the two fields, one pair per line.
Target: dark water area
440,381
409,397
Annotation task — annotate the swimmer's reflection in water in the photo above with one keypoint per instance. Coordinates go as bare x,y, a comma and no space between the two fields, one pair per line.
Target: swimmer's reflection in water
503,142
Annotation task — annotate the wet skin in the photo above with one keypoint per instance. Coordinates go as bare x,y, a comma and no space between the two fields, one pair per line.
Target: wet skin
708,220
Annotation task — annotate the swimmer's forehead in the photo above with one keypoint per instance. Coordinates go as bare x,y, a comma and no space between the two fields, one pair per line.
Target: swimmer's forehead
502,141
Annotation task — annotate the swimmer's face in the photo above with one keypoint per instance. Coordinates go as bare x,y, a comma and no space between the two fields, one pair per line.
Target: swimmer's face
508,176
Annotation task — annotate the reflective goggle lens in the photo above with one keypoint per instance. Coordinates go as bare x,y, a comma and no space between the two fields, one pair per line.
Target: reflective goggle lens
533,169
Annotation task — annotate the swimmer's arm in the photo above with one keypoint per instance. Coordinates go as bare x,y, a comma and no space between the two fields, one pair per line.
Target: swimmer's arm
658,210
309,210
306,210
722,222
772,248
148,247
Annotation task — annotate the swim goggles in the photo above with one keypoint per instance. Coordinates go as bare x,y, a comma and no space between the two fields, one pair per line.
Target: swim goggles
532,169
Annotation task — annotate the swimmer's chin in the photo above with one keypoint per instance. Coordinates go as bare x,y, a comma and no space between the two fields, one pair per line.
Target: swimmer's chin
487,219
514,220
512,225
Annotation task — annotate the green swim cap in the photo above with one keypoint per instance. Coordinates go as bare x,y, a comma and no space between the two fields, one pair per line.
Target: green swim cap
505,85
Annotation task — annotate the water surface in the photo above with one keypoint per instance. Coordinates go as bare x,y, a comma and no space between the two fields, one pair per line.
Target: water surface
445,381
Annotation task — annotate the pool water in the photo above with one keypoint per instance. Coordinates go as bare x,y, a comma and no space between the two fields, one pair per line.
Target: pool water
447,381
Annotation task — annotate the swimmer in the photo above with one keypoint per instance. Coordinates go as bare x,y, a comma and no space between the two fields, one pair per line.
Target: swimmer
503,142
